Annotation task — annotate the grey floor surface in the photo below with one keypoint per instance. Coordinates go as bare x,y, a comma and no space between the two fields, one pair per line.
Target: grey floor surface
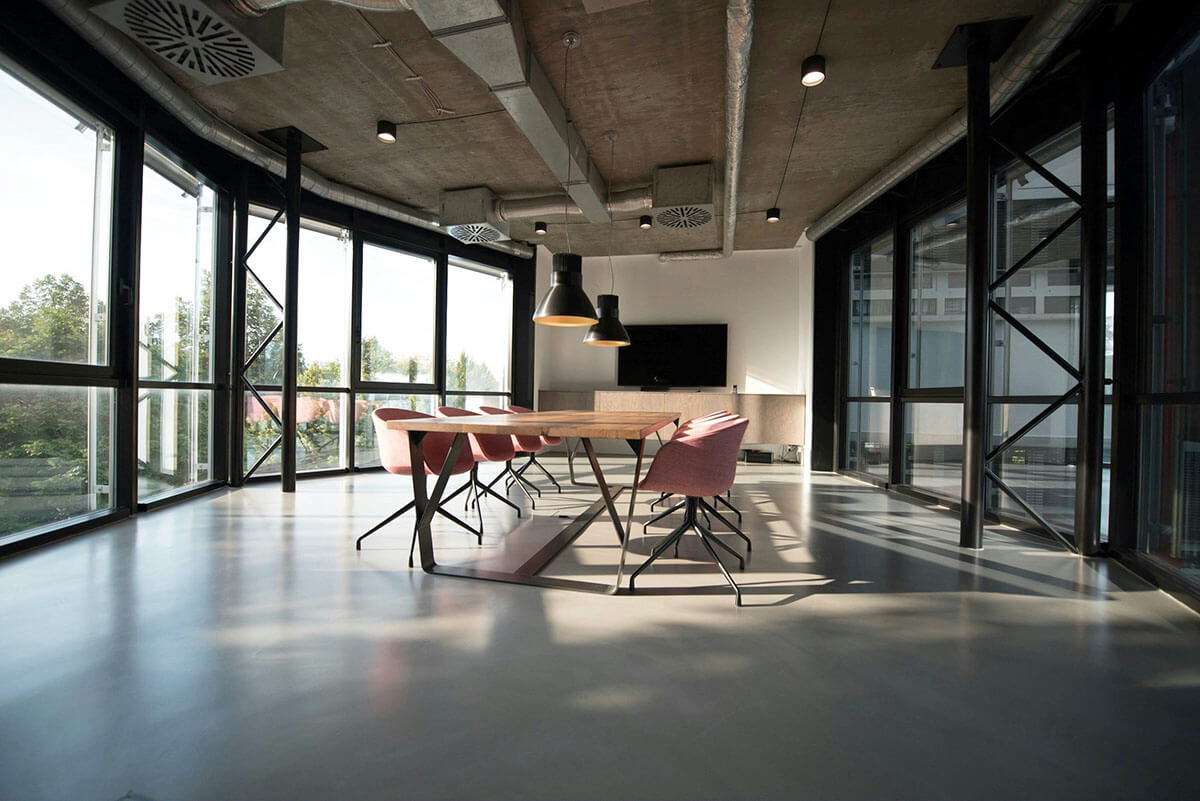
237,647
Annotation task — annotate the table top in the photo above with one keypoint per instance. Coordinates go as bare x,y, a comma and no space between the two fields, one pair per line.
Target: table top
593,425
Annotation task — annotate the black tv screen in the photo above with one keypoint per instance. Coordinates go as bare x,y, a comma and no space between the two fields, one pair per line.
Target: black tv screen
673,356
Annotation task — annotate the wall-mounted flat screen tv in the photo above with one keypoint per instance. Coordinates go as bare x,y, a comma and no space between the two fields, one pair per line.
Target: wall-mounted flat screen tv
673,356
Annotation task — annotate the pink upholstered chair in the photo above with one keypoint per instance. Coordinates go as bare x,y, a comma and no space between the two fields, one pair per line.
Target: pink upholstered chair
698,463
395,456
708,420
522,444
546,443
486,448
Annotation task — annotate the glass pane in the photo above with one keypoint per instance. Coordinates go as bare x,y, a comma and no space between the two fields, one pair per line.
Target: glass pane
867,438
259,430
56,190
324,311
1040,467
478,328
264,281
175,283
936,331
1169,508
473,402
365,453
55,454
933,447
870,350
398,309
1174,293
174,448
319,418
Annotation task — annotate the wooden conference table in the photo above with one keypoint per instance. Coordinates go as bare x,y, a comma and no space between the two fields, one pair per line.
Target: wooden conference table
633,427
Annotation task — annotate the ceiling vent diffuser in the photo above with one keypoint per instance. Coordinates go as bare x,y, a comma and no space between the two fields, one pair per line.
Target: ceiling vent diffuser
683,196
197,39
469,216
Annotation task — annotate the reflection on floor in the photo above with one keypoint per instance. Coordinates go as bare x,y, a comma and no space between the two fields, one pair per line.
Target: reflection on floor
237,647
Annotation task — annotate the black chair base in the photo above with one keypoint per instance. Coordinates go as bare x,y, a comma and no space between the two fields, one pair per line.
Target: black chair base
514,477
691,522
477,532
476,487
533,462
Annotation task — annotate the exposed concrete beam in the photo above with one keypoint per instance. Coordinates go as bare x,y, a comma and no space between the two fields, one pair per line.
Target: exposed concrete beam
489,37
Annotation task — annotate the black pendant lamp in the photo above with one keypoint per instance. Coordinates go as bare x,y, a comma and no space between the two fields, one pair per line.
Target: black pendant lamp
566,304
608,331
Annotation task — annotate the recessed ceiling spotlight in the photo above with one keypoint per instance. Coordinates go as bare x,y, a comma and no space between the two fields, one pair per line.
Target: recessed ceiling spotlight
773,215
539,228
646,222
385,132
812,71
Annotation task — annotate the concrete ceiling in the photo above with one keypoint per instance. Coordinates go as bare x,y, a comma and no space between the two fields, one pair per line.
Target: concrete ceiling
653,71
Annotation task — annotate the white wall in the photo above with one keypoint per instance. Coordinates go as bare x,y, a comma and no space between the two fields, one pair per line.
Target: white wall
765,297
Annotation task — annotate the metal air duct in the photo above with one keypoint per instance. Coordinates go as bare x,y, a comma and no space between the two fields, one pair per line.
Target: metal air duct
739,34
1026,55
126,56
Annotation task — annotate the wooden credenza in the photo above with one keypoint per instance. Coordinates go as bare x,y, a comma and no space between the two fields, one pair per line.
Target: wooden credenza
774,419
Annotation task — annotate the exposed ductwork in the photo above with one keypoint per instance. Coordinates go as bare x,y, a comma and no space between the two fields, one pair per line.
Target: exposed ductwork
739,34
630,201
126,56
254,8
1025,56
489,37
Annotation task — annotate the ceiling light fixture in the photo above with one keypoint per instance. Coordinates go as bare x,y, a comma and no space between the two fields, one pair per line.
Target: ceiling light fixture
385,132
646,222
565,303
773,214
812,71
539,228
608,331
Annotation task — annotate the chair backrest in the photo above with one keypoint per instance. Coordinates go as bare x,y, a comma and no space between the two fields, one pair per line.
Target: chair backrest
393,445
699,463
515,409
486,447
701,422
525,443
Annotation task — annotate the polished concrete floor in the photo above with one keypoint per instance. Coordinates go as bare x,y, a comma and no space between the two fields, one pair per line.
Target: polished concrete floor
237,647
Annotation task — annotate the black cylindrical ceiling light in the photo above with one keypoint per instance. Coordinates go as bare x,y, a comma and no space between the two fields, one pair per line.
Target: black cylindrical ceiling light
608,331
565,303
812,71
539,228
773,214
385,132
646,222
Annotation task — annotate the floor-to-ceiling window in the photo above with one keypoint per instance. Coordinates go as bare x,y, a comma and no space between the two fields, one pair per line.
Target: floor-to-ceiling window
932,444
398,341
1169,492
869,359
58,384
479,313
1038,233
175,329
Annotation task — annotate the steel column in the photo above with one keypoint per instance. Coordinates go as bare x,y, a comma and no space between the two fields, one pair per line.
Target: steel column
1089,471
291,341
975,350
237,339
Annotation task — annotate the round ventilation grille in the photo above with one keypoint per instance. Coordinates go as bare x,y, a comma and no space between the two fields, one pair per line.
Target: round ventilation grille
191,37
474,233
685,217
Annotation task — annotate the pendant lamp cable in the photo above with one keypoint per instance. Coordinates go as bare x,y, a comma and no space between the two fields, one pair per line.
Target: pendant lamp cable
567,135
612,175
799,116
